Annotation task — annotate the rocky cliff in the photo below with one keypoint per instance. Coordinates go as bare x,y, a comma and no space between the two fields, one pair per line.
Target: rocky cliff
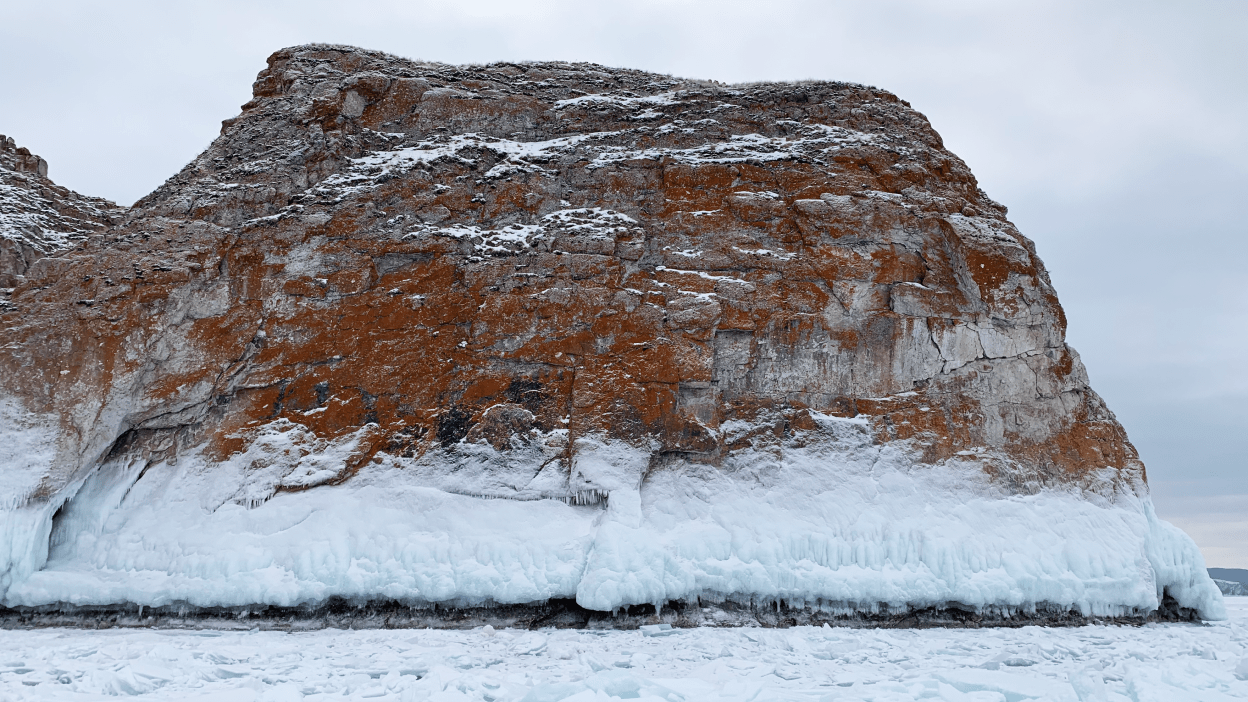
518,332
38,217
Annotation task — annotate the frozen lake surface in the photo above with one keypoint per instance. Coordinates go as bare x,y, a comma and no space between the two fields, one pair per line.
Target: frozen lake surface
1164,662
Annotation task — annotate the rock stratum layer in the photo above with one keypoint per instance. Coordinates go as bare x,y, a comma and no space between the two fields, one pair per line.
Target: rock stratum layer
519,333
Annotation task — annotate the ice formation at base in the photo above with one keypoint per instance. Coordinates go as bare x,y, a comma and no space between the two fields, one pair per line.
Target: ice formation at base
830,520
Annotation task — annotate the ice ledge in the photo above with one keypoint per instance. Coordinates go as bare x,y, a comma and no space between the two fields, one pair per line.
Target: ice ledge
837,522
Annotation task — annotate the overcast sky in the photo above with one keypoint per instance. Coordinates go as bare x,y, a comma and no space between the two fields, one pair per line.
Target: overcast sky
1113,131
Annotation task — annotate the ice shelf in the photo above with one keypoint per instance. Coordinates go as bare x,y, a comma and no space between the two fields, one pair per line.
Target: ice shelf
838,522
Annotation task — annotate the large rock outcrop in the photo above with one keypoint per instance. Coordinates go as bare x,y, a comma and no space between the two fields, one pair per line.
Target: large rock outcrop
758,341
38,217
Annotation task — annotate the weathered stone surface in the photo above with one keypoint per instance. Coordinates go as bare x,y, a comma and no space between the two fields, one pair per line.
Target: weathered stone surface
38,217
426,260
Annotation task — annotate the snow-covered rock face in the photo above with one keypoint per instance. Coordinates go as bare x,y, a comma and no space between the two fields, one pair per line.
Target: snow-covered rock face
38,217
523,331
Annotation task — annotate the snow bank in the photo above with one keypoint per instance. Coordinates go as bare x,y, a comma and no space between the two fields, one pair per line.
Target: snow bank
833,522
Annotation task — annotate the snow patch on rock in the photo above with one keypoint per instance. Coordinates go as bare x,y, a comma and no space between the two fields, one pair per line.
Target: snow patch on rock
589,224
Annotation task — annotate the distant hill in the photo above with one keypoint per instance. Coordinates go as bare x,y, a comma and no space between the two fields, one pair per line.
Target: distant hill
1231,589
1235,575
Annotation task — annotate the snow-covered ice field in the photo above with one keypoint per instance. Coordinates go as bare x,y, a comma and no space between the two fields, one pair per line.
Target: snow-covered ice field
1163,662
